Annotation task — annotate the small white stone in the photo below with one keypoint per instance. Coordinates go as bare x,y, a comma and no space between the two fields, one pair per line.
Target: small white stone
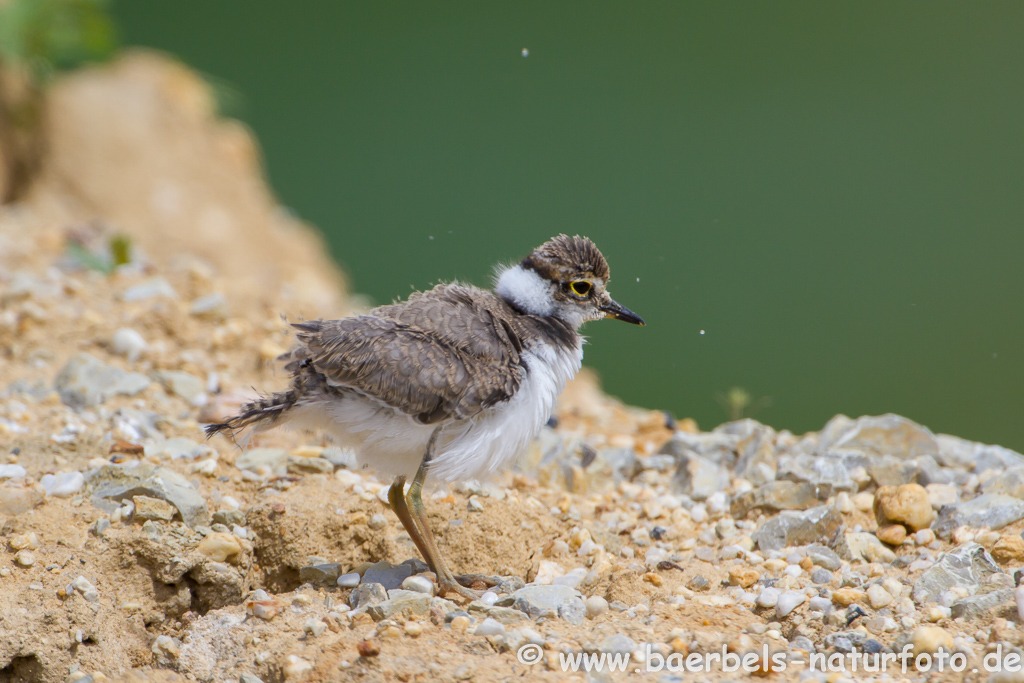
596,606
789,601
15,471
844,503
129,343
24,558
878,597
314,627
420,584
924,537
349,580
489,598
571,578
377,521
769,597
295,666
490,627
938,613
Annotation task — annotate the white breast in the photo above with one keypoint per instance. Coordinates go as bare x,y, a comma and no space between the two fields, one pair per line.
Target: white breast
488,443
391,442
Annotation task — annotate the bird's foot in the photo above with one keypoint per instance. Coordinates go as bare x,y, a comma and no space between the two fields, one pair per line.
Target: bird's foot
446,585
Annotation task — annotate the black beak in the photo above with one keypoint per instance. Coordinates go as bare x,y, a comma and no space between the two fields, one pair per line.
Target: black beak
614,309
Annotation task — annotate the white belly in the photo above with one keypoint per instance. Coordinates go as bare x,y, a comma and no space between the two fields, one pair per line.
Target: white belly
394,443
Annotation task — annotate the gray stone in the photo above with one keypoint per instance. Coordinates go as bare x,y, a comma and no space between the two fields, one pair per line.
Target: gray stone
821,576
261,457
388,575
229,517
890,471
536,600
930,472
85,381
980,606
366,594
757,461
148,289
977,457
112,484
990,510
799,528
1009,483
573,610
618,644
863,546
321,574
887,435
399,601
210,306
699,477
828,473
778,495
968,565
350,580
182,384
824,557
489,627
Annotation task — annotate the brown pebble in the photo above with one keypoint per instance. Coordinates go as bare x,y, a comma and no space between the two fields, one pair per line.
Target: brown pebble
368,648
745,577
680,646
844,597
653,579
893,534
126,447
1009,549
478,586
277,507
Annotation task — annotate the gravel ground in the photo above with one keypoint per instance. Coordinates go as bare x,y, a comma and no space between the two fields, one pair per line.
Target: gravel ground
133,549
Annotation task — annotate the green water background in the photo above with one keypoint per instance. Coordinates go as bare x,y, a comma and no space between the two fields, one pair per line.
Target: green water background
833,192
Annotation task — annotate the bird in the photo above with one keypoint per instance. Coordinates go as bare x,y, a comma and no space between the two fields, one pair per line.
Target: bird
452,383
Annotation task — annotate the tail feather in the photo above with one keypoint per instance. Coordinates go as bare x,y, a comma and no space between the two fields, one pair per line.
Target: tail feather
257,416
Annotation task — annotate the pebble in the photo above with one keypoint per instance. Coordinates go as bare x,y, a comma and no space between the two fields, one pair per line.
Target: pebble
220,547
878,597
28,541
413,628
745,577
819,604
844,597
908,505
85,587
1018,598
789,601
490,627
938,613
24,558
377,521
893,534
698,583
368,648
422,584
596,606
147,508
314,627
930,638
352,580
460,623
12,472
768,597
573,611
295,666
821,576
128,343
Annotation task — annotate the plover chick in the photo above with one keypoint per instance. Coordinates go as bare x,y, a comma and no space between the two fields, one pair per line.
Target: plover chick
452,383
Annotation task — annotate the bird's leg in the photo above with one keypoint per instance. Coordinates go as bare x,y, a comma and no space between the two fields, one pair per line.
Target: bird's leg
445,581
396,496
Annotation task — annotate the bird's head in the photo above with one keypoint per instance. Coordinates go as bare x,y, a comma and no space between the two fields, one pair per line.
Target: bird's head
566,277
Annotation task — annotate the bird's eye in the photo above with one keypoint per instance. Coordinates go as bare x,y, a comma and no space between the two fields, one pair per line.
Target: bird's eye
581,287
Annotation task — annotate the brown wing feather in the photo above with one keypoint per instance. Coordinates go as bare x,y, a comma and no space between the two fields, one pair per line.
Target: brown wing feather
442,354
